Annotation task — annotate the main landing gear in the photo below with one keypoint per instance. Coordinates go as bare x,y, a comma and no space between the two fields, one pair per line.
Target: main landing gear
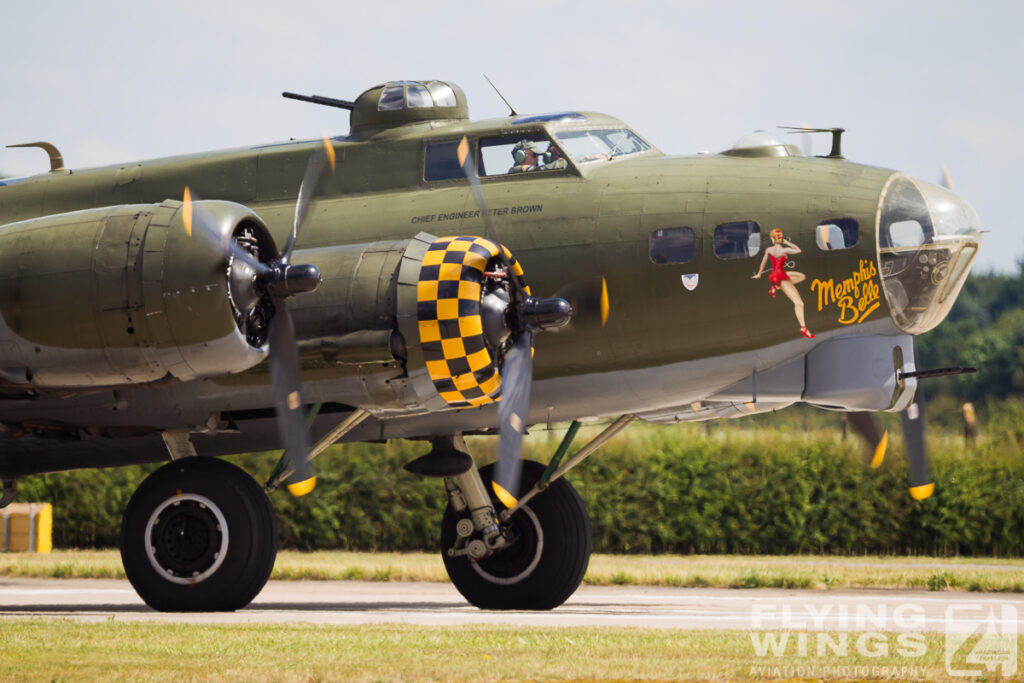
199,535
531,557
534,560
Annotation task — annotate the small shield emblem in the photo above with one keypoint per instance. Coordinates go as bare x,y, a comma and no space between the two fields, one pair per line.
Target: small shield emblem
690,281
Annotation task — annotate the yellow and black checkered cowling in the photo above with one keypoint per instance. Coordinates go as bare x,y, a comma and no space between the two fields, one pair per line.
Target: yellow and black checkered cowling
448,296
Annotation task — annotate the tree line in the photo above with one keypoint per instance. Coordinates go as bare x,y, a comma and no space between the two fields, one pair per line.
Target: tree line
985,329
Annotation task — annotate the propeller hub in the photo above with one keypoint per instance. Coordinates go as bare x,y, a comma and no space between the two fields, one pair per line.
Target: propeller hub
242,285
494,316
546,314
289,280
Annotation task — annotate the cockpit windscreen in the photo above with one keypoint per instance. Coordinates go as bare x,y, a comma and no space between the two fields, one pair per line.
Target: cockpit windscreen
597,145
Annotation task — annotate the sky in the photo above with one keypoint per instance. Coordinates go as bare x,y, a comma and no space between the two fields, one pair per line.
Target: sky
917,85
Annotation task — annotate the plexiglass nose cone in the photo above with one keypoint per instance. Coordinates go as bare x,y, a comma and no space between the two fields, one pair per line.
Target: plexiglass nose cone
927,239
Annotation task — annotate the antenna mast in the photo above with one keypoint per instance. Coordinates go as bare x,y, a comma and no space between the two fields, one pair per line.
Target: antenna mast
512,110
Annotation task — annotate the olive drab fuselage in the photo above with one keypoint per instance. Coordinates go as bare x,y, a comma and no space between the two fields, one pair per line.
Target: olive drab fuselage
116,325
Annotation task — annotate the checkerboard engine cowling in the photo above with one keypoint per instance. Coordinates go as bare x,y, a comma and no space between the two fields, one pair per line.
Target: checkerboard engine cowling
450,324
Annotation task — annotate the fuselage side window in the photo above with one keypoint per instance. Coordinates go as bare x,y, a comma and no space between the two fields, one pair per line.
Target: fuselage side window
737,240
673,245
837,233
522,153
441,161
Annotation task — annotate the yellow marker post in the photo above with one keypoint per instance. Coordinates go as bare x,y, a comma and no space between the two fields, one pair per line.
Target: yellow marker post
26,527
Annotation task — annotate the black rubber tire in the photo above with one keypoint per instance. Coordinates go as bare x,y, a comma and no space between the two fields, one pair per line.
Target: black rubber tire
557,519
188,534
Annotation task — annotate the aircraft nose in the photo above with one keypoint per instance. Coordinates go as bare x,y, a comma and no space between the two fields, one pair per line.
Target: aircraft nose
927,239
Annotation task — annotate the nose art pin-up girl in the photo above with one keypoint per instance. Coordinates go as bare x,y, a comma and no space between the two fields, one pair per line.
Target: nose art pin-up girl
781,250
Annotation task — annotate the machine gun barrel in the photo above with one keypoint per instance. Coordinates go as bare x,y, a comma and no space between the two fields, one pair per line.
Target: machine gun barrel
319,99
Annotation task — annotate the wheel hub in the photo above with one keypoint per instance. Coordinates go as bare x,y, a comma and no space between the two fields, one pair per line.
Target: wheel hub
186,538
516,561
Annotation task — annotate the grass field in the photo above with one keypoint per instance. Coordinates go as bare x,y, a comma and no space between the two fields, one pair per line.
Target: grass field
820,572
37,650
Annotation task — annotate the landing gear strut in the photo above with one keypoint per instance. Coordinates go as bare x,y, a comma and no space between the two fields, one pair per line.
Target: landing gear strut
539,556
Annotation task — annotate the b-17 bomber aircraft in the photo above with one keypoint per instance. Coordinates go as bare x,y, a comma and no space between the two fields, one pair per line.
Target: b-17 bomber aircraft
427,277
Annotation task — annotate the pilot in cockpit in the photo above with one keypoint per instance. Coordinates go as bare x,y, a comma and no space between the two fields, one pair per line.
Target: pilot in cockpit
525,156
553,158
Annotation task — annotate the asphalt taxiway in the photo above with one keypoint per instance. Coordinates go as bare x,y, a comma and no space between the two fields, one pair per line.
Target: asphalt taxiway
438,604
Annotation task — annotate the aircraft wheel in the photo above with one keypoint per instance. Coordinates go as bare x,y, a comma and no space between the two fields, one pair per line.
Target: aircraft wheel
199,535
546,562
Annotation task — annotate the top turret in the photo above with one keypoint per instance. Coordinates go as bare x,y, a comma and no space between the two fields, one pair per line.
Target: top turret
397,103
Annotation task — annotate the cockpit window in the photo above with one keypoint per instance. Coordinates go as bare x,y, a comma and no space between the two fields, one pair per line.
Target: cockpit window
520,153
597,145
837,233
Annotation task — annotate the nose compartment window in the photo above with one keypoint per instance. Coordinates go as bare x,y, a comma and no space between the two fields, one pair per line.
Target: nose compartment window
927,239
906,234
838,233
673,245
737,240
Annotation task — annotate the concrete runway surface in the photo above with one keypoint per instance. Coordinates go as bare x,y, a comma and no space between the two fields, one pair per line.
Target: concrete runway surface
437,604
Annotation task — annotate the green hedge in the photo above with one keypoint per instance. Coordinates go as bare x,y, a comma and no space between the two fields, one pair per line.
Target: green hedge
653,490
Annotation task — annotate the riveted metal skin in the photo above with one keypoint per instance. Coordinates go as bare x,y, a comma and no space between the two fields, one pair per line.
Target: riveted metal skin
118,296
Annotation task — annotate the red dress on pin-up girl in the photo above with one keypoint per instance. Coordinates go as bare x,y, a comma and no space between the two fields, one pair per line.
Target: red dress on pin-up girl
780,279
778,273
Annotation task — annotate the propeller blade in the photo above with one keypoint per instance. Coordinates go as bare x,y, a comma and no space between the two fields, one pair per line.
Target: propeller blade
278,280
589,301
287,383
318,160
199,222
866,425
921,485
469,169
517,375
947,180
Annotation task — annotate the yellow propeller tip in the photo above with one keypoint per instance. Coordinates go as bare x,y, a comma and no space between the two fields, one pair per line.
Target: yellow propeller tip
605,307
332,158
883,443
301,488
506,498
463,151
922,492
186,210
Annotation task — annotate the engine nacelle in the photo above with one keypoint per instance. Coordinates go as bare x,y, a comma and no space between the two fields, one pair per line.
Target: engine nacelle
421,321
121,295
